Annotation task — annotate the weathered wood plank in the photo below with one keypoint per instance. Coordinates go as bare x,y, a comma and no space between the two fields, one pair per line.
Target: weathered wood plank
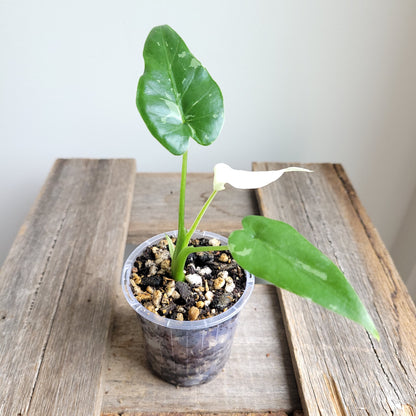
257,378
278,413
340,369
156,199
55,301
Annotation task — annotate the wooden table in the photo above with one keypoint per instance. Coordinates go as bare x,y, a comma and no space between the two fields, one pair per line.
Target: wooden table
70,344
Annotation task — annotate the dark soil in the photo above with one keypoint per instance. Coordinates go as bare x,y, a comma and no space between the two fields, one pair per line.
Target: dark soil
214,282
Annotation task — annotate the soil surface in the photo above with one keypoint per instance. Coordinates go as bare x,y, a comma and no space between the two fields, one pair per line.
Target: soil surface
214,282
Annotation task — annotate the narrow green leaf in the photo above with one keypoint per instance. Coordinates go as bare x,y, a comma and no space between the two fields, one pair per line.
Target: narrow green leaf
171,246
176,96
276,252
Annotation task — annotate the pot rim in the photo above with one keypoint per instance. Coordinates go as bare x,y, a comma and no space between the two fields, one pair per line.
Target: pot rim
171,323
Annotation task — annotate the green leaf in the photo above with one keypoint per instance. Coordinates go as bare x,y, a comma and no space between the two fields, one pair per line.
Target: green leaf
176,96
170,245
276,252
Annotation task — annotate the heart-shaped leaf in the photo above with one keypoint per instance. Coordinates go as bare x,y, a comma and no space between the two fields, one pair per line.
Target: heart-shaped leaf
276,252
176,96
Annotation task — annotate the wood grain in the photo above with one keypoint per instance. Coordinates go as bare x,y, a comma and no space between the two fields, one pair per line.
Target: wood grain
278,413
156,198
257,378
340,369
55,289
56,297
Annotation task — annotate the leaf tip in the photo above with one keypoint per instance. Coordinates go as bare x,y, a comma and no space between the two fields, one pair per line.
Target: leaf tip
373,331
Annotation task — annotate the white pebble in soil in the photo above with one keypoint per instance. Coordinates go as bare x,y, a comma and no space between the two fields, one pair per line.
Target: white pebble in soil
214,242
203,272
194,279
230,286
223,275
208,296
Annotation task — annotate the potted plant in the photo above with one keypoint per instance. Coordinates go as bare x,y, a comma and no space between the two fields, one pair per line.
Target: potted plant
188,287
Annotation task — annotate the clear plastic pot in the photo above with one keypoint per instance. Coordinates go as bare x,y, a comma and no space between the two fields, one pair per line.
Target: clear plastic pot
185,353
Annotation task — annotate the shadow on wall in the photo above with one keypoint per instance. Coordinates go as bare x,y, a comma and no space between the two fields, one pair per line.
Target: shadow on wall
403,250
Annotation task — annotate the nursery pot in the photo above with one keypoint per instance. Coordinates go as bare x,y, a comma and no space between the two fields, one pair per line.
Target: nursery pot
185,353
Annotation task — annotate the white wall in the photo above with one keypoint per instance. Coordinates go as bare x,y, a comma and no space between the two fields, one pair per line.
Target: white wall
302,81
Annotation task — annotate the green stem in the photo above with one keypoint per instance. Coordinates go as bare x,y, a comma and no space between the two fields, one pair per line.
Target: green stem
199,217
182,250
181,237
183,255
181,216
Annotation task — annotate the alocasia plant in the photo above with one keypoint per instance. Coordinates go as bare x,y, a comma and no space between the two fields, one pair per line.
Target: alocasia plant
178,100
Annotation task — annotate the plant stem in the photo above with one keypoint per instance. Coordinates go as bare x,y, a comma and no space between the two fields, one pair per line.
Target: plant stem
182,250
183,255
177,273
181,215
199,217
